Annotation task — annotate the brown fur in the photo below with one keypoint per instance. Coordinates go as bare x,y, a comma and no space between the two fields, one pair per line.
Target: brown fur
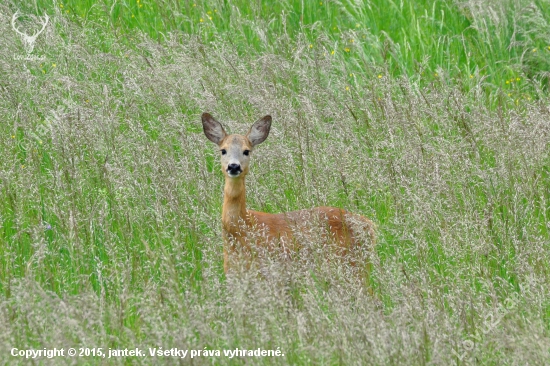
248,232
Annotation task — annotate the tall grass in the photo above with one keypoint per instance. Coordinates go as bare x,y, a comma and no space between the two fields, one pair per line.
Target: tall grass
110,214
498,41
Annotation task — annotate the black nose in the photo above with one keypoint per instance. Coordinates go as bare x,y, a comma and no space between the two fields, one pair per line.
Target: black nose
233,168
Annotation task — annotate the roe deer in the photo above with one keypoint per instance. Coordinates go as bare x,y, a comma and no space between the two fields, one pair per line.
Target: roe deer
246,231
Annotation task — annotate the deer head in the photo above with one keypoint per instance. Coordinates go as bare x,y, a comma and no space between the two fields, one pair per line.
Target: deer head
235,149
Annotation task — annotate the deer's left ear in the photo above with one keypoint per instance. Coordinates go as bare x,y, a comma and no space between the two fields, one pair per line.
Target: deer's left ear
212,128
259,130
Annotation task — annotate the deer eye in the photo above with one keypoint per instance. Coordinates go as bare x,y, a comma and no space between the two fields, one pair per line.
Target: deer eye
223,151
246,152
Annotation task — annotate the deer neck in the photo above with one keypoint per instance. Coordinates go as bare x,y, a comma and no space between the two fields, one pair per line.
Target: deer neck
234,213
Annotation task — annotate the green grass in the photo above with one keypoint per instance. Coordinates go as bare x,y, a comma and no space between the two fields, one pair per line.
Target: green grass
428,40
433,122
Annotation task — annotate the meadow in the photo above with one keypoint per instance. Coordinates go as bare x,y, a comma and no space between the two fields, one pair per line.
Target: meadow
432,118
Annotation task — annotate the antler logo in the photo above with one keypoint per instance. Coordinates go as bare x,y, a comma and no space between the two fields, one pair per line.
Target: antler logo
28,41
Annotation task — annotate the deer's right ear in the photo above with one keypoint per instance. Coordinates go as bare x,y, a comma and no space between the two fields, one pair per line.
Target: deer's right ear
212,128
259,130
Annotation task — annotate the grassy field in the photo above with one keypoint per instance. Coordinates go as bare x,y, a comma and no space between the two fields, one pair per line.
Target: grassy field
430,117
